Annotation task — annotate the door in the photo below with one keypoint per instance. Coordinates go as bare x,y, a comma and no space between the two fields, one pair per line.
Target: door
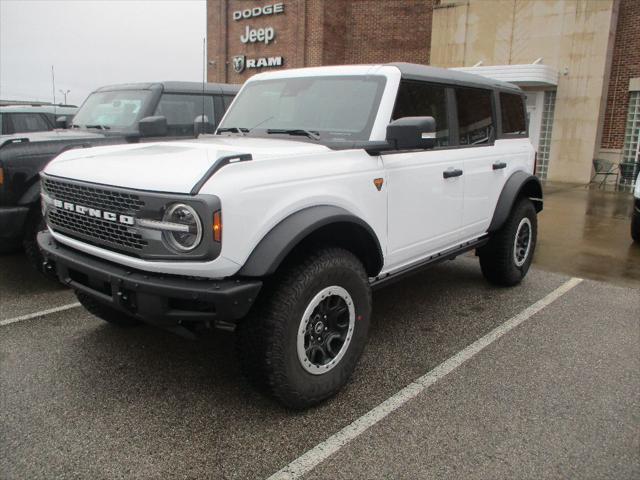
424,207
535,105
489,161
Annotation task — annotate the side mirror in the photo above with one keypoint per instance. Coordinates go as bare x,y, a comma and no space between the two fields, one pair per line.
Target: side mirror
153,126
201,125
62,122
412,133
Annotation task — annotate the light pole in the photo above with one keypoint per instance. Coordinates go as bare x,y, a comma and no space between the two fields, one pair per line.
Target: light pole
65,93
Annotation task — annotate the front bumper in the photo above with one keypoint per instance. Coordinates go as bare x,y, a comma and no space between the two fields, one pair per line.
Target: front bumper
12,220
165,301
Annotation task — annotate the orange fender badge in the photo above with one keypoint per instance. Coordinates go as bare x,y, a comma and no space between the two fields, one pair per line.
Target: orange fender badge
378,183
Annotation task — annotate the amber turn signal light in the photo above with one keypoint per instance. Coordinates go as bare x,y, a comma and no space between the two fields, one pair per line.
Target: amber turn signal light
217,226
1,175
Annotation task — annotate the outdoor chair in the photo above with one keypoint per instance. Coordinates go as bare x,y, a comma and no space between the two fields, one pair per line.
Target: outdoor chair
604,168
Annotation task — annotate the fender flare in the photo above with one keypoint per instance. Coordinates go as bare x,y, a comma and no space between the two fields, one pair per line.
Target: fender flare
32,195
274,247
520,183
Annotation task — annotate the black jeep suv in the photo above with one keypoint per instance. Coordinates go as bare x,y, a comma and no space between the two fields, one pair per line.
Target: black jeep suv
111,115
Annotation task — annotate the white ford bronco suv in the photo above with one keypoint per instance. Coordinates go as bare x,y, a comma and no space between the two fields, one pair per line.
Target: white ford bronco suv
319,185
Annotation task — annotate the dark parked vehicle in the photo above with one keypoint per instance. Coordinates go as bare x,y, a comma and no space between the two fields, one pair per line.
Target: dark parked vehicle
111,115
33,118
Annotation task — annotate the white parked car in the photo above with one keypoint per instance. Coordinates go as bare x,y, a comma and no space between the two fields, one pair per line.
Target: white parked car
319,185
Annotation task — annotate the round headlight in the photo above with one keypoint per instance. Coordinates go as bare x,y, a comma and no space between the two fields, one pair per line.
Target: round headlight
188,237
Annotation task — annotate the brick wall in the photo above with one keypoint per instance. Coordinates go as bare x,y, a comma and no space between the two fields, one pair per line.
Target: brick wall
321,32
625,65
382,31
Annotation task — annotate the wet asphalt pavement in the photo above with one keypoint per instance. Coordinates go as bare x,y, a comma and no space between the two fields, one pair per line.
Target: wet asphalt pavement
557,397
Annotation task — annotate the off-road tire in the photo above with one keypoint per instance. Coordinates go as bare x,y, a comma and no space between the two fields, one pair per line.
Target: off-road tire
106,313
267,338
635,226
497,259
33,225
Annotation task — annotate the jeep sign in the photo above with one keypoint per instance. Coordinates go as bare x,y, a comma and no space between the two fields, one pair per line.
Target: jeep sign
253,35
273,9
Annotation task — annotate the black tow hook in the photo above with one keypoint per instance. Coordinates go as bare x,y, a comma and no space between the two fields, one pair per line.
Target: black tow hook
49,267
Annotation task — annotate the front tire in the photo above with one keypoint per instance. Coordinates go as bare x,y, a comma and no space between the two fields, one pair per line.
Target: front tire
635,226
506,258
303,339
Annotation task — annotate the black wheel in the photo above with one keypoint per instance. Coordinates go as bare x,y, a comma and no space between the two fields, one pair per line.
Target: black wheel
635,226
506,258
34,224
305,335
106,313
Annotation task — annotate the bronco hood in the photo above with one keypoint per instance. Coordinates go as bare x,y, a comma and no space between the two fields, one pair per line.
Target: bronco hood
173,167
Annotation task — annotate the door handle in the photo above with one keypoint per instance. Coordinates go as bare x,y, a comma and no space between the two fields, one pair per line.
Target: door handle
452,173
499,165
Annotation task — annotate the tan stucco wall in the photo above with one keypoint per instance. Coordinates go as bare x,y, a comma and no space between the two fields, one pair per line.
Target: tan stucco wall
574,36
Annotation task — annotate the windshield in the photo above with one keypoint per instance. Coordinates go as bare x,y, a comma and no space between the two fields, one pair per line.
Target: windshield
332,108
112,110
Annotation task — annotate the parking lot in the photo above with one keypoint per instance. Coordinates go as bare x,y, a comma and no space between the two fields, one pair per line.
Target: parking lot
541,380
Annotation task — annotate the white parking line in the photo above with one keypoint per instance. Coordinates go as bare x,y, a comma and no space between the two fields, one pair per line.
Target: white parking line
39,314
309,460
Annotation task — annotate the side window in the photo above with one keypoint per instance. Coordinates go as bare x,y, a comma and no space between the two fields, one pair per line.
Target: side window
181,110
227,101
475,118
512,113
26,122
424,100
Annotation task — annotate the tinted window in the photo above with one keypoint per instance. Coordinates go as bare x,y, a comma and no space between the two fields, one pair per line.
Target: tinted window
424,100
227,101
475,120
182,110
512,114
26,122
336,107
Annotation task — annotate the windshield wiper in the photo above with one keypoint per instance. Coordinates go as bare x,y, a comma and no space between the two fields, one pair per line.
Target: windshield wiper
75,125
296,131
99,127
233,129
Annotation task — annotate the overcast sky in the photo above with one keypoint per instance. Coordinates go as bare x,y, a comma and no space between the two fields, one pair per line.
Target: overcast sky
96,42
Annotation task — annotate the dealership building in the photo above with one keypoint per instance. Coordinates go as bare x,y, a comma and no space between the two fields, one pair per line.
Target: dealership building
577,60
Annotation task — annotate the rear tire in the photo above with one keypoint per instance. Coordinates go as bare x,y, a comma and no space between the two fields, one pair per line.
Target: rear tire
506,258
106,313
635,226
302,340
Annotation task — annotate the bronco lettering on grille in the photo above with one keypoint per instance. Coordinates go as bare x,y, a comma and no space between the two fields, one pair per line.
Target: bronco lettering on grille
93,212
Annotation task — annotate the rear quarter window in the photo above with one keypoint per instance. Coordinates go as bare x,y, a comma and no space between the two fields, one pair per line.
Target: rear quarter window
512,114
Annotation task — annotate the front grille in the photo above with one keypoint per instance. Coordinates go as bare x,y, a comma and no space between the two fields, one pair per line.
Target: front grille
107,217
99,230
94,197
95,230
